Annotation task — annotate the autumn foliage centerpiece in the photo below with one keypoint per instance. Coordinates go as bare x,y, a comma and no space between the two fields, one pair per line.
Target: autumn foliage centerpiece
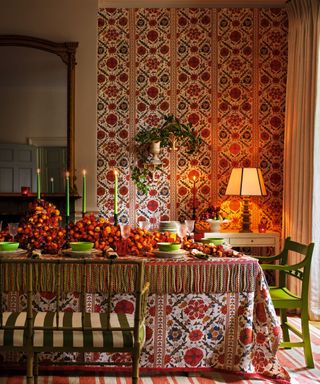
40,228
97,230
105,235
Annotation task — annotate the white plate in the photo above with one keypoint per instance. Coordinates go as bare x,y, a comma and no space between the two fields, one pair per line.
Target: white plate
17,252
168,255
70,252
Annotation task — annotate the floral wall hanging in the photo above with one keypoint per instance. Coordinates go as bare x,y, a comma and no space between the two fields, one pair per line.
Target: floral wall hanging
224,71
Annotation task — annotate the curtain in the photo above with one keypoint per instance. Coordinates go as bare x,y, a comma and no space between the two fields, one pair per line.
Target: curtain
303,41
315,270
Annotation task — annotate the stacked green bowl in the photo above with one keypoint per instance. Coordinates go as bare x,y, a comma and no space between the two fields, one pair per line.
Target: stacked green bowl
81,246
169,247
215,241
8,246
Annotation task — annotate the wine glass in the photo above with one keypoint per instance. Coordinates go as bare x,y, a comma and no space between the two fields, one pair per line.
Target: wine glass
144,224
13,229
181,231
189,226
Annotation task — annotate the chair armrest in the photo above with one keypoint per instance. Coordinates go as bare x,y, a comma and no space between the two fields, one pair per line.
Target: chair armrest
268,258
277,267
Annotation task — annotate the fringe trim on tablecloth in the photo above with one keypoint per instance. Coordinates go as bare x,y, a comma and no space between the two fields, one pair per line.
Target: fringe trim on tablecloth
214,276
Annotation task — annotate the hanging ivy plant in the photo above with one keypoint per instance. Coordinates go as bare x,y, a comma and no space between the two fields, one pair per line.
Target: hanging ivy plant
170,134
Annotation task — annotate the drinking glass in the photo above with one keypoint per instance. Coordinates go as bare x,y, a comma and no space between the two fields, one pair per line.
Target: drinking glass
13,229
154,221
189,226
144,224
122,245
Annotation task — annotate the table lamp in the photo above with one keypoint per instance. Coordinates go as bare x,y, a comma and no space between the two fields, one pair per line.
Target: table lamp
246,182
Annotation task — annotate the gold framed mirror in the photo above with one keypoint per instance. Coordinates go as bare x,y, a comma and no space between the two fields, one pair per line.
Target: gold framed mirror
67,53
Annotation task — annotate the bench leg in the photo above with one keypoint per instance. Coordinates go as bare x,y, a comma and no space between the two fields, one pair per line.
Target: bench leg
30,368
36,368
135,365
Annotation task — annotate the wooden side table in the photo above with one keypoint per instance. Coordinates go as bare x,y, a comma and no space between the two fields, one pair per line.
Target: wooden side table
249,239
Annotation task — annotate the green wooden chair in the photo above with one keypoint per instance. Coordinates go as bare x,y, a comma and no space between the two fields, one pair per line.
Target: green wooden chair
284,299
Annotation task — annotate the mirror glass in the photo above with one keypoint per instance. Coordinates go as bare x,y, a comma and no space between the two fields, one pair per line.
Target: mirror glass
33,119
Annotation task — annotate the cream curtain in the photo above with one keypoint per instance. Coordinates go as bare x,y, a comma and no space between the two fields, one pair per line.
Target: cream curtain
315,271
303,42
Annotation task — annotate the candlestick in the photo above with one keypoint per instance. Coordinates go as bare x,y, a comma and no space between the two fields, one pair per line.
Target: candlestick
115,197
67,195
51,185
84,192
38,184
194,198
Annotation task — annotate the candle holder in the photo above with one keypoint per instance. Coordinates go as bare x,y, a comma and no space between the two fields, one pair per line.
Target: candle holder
115,218
25,191
67,231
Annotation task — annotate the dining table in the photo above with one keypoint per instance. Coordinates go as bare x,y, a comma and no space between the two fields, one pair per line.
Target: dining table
202,314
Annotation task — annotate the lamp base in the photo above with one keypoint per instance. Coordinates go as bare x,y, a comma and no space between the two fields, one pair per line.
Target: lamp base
245,216
245,231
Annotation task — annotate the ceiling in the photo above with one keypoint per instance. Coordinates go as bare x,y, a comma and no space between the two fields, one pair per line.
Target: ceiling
191,4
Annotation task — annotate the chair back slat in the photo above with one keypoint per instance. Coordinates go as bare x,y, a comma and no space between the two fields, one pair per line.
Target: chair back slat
82,293
57,291
29,303
300,270
1,293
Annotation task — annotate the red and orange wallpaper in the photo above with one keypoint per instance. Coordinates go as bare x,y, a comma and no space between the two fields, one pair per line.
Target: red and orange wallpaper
223,70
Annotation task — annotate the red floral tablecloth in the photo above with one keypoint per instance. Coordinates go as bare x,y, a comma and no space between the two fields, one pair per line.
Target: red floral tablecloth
200,314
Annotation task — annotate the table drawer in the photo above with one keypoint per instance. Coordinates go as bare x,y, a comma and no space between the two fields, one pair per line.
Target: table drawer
263,241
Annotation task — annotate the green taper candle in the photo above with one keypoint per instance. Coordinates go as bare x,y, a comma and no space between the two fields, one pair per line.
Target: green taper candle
115,192
38,184
67,194
84,192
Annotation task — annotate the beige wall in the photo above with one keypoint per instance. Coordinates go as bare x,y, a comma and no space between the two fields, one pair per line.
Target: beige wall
66,20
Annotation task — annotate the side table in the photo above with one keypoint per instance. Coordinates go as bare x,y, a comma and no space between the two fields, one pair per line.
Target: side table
249,239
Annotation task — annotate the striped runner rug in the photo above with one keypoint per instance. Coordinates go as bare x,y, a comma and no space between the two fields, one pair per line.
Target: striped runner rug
292,360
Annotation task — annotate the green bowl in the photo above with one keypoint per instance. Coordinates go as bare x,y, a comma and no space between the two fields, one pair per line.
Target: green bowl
210,240
8,246
169,247
81,246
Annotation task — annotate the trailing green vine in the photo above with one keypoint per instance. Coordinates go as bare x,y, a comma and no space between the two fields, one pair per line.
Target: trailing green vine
170,133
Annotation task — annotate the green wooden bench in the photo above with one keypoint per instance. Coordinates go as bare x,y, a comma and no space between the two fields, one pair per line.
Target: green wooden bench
32,332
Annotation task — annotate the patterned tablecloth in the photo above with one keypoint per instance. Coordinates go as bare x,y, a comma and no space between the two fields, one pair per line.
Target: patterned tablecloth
201,314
